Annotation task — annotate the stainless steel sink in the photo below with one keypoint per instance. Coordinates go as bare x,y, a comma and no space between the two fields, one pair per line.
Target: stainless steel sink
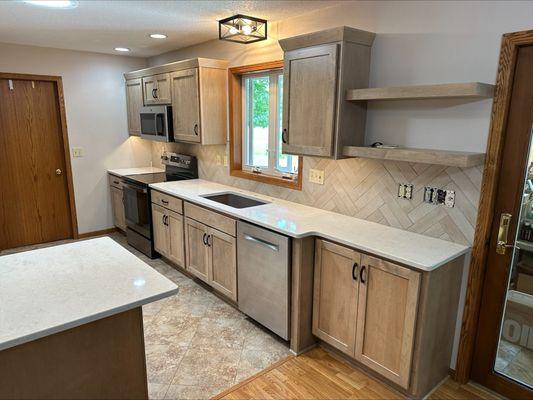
234,200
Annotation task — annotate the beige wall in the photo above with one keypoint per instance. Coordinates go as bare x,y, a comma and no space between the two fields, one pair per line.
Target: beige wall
416,43
96,119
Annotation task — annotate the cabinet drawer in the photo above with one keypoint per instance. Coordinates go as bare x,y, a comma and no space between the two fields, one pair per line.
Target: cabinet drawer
115,181
164,200
211,218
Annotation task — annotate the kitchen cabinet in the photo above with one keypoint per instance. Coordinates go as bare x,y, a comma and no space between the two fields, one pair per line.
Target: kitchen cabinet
386,317
117,203
222,262
156,89
168,228
197,250
335,295
318,69
186,99
367,308
134,102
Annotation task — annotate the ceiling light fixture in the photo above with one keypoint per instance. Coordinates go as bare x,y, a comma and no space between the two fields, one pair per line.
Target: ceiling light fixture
122,49
59,4
158,36
242,29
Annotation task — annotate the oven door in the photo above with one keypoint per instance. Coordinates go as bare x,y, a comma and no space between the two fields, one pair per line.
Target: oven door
137,209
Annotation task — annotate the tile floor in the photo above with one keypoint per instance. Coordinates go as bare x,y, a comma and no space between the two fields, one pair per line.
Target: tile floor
515,362
197,345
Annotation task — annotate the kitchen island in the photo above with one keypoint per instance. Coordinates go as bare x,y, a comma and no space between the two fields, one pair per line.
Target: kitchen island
71,321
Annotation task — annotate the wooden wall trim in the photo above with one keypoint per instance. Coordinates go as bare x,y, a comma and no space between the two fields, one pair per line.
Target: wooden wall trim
500,107
64,132
97,233
235,125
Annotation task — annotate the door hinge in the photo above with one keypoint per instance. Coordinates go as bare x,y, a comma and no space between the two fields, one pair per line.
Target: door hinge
10,84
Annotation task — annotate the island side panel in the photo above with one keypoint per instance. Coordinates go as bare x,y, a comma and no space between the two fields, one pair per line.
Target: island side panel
99,360
303,251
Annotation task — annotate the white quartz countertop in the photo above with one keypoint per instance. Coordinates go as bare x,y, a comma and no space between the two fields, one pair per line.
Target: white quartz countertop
298,221
134,171
53,289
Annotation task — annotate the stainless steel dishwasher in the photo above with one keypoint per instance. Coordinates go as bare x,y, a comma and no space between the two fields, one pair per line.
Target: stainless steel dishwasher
263,277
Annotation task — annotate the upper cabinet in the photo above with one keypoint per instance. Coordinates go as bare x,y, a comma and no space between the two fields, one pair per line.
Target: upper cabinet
197,91
156,89
318,69
134,101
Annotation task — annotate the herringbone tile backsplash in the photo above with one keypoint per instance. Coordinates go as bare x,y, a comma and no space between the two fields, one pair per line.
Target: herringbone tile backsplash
365,189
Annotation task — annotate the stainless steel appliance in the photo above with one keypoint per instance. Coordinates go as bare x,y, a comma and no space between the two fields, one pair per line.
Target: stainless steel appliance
156,123
263,277
138,203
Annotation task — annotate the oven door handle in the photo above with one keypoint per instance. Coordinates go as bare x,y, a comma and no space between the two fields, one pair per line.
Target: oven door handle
133,187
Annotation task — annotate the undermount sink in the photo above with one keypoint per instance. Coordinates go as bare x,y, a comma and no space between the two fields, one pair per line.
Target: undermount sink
234,200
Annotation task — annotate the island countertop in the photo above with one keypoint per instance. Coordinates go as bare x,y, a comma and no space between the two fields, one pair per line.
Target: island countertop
53,289
298,221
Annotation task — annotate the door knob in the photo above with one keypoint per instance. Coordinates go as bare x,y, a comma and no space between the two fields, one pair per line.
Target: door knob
58,172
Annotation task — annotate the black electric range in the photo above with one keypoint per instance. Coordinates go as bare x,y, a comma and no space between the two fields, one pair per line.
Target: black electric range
138,202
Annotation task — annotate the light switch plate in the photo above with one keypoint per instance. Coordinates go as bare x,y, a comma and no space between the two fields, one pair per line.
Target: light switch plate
316,176
449,200
77,152
225,161
405,191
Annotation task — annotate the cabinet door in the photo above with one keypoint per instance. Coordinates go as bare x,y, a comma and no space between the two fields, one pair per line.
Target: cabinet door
388,302
176,242
117,205
223,263
134,102
159,222
309,100
156,89
335,295
197,250
186,105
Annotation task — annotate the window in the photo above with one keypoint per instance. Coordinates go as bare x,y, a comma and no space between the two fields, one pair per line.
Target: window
256,100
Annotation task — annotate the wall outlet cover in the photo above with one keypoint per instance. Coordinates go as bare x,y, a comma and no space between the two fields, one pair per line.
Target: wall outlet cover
449,201
77,152
225,160
316,176
218,159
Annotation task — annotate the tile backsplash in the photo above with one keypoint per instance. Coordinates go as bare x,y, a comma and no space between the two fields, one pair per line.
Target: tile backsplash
365,189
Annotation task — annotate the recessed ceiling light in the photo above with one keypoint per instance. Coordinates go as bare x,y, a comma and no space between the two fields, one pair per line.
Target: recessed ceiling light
123,49
53,3
158,36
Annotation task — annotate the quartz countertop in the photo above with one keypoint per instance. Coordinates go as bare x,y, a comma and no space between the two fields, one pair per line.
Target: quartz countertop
53,289
135,171
298,221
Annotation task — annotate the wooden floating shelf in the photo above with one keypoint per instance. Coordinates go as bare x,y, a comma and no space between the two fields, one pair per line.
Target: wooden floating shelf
442,91
424,156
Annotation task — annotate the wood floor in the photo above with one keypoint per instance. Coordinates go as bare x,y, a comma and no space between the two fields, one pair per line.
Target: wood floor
318,375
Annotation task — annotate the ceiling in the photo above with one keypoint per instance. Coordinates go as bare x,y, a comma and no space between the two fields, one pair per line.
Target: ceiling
100,26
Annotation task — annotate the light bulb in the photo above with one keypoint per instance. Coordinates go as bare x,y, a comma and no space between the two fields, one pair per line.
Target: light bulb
233,30
246,29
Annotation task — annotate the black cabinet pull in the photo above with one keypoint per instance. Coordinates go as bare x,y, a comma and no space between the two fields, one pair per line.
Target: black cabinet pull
209,237
164,220
354,271
204,239
164,201
195,129
284,135
154,93
363,268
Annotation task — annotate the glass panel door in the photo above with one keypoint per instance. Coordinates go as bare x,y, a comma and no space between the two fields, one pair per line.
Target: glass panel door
514,358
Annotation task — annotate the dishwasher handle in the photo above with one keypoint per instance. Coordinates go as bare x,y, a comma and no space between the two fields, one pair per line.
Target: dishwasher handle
262,242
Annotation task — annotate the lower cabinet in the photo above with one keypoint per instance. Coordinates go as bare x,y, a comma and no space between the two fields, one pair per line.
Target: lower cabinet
212,257
367,308
117,204
168,234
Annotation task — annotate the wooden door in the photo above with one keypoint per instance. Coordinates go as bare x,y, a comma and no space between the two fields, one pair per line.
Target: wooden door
186,105
223,263
176,242
117,205
161,237
335,295
503,350
309,100
134,102
197,250
156,89
36,205
386,318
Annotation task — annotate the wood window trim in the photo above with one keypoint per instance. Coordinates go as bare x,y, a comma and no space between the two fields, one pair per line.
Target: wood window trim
235,125
497,132
64,132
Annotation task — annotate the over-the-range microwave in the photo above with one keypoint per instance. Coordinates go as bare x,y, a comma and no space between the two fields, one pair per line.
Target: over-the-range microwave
156,123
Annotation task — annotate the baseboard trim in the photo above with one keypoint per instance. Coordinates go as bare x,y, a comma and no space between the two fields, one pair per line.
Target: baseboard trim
97,233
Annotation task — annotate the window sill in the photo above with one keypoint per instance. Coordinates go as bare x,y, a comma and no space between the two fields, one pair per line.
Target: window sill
269,179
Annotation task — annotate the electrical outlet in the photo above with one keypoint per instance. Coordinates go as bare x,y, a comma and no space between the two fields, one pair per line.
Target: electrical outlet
449,201
77,152
405,191
316,176
225,160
